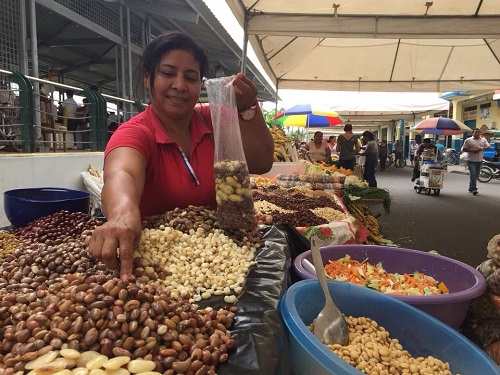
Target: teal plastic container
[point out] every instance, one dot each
(419, 333)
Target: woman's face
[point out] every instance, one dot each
(176, 85)
(318, 137)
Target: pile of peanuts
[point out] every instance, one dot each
(8, 242)
(372, 351)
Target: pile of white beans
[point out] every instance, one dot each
(199, 263)
(373, 352)
(72, 362)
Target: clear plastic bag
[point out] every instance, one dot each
(235, 210)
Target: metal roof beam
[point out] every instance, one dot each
(73, 42)
(164, 9)
(84, 22)
(376, 26)
(85, 64)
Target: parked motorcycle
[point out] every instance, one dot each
(489, 170)
(452, 156)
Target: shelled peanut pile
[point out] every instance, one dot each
(55, 299)
(372, 351)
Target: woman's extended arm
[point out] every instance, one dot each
(124, 175)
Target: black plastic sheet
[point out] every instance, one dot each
(261, 343)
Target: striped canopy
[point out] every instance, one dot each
(305, 115)
(441, 126)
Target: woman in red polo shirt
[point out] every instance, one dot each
(163, 158)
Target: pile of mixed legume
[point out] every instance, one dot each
(62, 312)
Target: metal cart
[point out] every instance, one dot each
(431, 176)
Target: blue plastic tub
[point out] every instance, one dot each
(418, 332)
(464, 282)
(22, 206)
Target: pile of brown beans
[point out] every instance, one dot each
(96, 313)
(192, 217)
(56, 228)
(36, 265)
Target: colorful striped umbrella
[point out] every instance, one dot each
(304, 115)
(441, 126)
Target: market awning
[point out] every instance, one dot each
(382, 45)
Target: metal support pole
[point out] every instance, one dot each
(23, 63)
(245, 43)
(123, 92)
(34, 69)
(129, 61)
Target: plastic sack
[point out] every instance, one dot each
(487, 267)
(494, 249)
(235, 210)
(493, 284)
(94, 186)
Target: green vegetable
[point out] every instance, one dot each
(354, 192)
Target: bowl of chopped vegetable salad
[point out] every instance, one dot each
(440, 286)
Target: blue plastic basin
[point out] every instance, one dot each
(22, 206)
(463, 281)
(418, 332)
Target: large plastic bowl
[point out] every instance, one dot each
(418, 332)
(463, 281)
(22, 206)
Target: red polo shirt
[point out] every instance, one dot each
(169, 183)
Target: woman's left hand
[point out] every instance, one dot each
(245, 91)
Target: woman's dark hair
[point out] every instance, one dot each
(368, 135)
(166, 42)
(348, 127)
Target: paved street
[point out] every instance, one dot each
(454, 223)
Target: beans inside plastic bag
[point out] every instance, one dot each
(235, 209)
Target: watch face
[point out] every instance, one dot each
(248, 114)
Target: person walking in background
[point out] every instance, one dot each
(413, 148)
(382, 154)
(371, 154)
(425, 145)
(398, 151)
(441, 153)
(474, 147)
(347, 148)
(69, 110)
(319, 150)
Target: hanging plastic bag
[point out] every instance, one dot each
(235, 210)
(93, 181)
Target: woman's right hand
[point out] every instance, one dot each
(113, 243)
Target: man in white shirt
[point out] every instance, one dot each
(70, 106)
(474, 147)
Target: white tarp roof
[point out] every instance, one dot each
(375, 45)
(395, 106)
